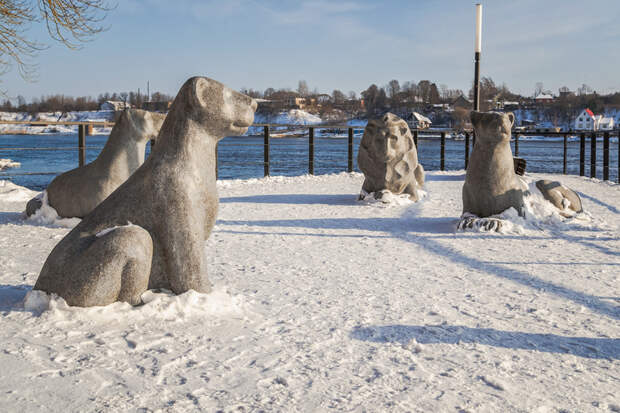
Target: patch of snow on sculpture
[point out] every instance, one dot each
(47, 215)
(539, 214)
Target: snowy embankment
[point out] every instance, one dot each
(91, 116)
(8, 163)
(322, 302)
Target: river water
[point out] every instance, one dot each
(242, 157)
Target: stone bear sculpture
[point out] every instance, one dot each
(388, 158)
(491, 184)
(150, 232)
(77, 192)
(563, 198)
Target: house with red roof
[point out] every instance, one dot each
(587, 120)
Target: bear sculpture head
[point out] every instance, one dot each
(492, 127)
(214, 107)
(388, 141)
(388, 157)
(141, 125)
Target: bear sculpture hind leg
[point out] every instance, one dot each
(419, 175)
(114, 267)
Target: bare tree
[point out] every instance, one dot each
(338, 96)
(70, 22)
(393, 88)
(424, 90)
(302, 88)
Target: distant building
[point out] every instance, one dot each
(528, 123)
(114, 105)
(157, 106)
(295, 102)
(546, 127)
(544, 98)
(606, 124)
(323, 98)
(564, 92)
(587, 120)
(511, 105)
(462, 102)
(417, 121)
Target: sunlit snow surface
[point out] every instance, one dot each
(322, 302)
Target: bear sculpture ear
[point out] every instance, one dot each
(200, 91)
(511, 116)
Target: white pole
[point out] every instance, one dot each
(478, 45)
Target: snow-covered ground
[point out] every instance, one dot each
(324, 303)
(8, 163)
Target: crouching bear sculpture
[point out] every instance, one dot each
(491, 184)
(77, 192)
(389, 159)
(150, 232)
(563, 198)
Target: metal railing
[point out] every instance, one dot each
(85, 128)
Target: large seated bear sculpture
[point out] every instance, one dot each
(389, 159)
(491, 184)
(77, 192)
(150, 232)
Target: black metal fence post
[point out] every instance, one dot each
(466, 149)
(442, 161)
(593, 155)
(350, 151)
(311, 151)
(565, 153)
(516, 145)
(415, 138)
(582, 154)
(82, 144)
(606, 156)
(266, 150)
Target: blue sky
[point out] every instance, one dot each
(345, 44)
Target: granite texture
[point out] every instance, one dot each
(161, 216)
(77, 192)
(491, 184)
(388, 158)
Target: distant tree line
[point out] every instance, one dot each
(424, 96)
(64, 103)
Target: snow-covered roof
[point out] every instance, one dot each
(544, 96)
(606, 120)
(420, 118)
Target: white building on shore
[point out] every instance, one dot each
(606, 123)
(587, 120)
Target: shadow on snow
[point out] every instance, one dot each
(598, 348)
